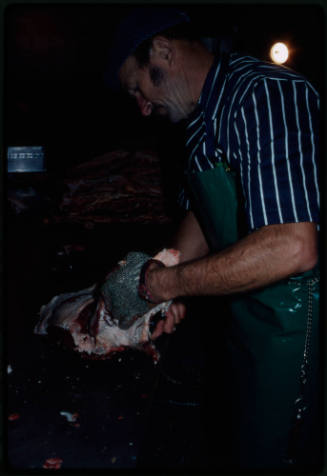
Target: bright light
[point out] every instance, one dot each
(279, 53)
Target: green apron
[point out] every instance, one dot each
(272, 343)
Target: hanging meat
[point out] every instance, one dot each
(117, 187)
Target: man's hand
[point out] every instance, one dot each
(177, 309)
(174, 316)
(125, 292)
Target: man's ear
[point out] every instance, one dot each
(161, 49)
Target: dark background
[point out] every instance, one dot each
(130, 412)
(56, 56)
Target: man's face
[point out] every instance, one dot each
(156, 89)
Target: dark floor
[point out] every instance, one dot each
(130, 413)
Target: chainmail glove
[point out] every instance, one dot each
(121, 290)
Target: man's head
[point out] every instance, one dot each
(162, 65)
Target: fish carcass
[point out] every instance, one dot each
(84, 319)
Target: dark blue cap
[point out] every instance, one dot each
(141, 24)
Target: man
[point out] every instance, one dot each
(250, 231)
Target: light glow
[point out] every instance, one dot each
(279, 53)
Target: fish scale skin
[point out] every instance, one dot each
(120, 290)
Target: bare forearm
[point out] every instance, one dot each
(190, 240)
(263, 257)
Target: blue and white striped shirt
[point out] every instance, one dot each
(263, 120)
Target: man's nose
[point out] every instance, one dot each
(144, 105)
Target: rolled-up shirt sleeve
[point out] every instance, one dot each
(276, 129)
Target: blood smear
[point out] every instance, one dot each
(13, 416)
(53, 463)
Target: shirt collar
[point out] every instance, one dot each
(213, 79)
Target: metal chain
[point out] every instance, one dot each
(307, 343)
(300, 404)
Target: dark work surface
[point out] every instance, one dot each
(130, 413)
(117, 402)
